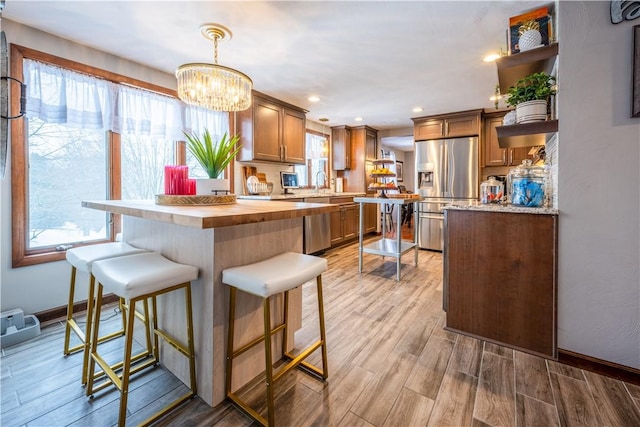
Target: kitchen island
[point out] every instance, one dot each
(500, 275)
(214, 238)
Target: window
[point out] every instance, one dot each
(317, 150)
(88, 135)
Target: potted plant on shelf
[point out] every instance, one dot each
(214, 157)
(530, 95)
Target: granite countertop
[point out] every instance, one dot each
(500, 207)
(299, 195)
(199, 216)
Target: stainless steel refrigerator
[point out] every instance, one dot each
(447, 170)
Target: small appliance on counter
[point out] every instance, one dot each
(491, 191)
(526, 185)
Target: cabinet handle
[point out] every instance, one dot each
(284, 151)
(504, 156)
(510, 155)
(446, 128)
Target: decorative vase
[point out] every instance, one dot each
(531, 111)
(208, 186)
(529, 40)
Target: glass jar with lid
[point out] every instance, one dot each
(526, 185)
(491, 190)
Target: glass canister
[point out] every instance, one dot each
(526, 185)
(491, 190)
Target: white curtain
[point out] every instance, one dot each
(58, 95)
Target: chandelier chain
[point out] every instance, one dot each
(215, 50)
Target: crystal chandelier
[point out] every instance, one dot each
(214, 86)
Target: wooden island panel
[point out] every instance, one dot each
(500, 277)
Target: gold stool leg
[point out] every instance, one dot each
(323, 337)
(268, 360)
(91, 307)
(93, 340)
(126, 368)
(67, 329)
(230, 332)
(190, 340)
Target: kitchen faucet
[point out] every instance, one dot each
(325, 179)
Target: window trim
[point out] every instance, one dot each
(20, 256)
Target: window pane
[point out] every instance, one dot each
(143, 161)
(66, 166)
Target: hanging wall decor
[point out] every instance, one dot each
(635, 111)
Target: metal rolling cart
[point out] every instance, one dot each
(394, 248)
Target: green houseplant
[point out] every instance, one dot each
(214, 157)
(530, 95)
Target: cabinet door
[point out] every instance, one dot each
(293, 136)
(370, 217)
(493, 154)
(429, 129)
(371, 145)
(267, 130)
(351, 221)
(336, 227)
(462, 126)
(517, 155)
(341, 152)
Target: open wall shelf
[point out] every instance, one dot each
(513, 67)
(526, 134)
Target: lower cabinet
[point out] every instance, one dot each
(345, 223)
(500, 272)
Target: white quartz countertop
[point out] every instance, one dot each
(500, 207)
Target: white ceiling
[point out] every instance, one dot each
(377, 60)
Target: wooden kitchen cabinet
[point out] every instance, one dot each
(493, 155)
(500, 278)
(466, 123)
(348, 141)
(346, 222)
(272, 131)
(341, 147)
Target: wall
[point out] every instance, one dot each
(41, 287)
(598, 185)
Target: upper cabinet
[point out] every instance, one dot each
(492, 153)
(512, 68)
(343, 139)
(466, 123)
(341, 152)
(272, 130)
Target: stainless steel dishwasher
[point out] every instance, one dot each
(317, 229)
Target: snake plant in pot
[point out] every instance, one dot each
(214, 157)
(530, 95)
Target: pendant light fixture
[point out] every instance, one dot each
(214, 86)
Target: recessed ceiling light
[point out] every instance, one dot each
(492, 57)
(358, 119)
(418, 109)
(313, 98)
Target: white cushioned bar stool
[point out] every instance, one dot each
(82, 258)
(138, 278)
(266, 279)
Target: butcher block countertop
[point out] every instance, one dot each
(242, 212)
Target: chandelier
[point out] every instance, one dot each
(214, 86)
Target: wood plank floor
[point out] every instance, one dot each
(391, 363)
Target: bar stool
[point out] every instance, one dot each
(138, 278)
(265, 279)
(82, 258)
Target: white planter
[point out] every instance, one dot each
(207, 187)
(531, 111)
(529, 39)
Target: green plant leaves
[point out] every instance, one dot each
(532, 87)
(213, 157)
